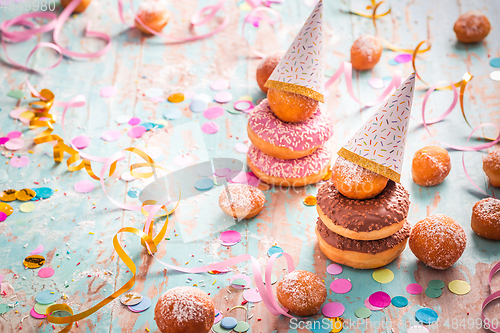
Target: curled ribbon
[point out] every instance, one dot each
(254, 17)
(489, 299)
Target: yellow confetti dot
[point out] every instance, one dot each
(6, 208)
(176, 98)
(383, 275)
(459, 287)
(310, 200)
(246, 98)
(27, 207)
(328, 175)
(337, 324)
(91, 233)
(8, 195)
(27, 115)
(26, 194)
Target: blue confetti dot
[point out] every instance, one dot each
(228, 323)
(44, 192)
(323, 325)
(134, 192)
(148, 126)
(198, 106)
(142, 306)
(46, 297)
(274, 249)
(393, 62)
(172, 114)
(155, 125)
(399, 301)
(495, 62)
(387, 78)
(426, 316)
(203, 184)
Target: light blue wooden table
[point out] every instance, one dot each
(135, 64)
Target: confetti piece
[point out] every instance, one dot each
(183, 160)
(399, 301)
(134, 192)
(84, 186)
(228, 323)
(341, 286)
(204, 184)
(334, 269)
(436, 284)
(108, 91)
(14, 144)
(218, 329)
(240, 281)
(403, 58)
(230, 236)
(45, 272)
(172, 114)
(495, 62)
(213, 112)
(241, 148)
(41, 309)
(19, 162)
(218, 316)
(210, 127)
(44, 192)
(111, 135)
(371, 307)
(14, 135)
(154, 92)
(393, 62)
(198, 106)
(17, 94)
(131, 298)
(363, 313)
(414, 289)
(274, 249)
(126, 176)
(176, 98)
(136, 132)
(142, 306)
(223, 97)
(252, 295)
(26, 194)
(3, 216)
(241, 326)
(459, 287)
(122, 119)
(380, 299)
(34, 314)
(34, 261)
(243, 105)
(417, 329)
(8, 195)
(426, 316)
(222, 172)
(333, 309)
(46, 297)
(81, 141)
(433, 293)
(39, 249)
(134, 121)
(383, 275)
(376, 83)
(218, 85)
(310, 200)
(3, 140)
(495, 75)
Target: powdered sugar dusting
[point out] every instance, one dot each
(367, 45)
(184, 304)
(243, 197)
(352, 174)
(488, 210)
(492, 160)
(304, 288)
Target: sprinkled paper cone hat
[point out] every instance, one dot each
(379, 145)
(300, 70)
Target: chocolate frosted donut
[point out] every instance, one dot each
(369, 219)
(358, 253)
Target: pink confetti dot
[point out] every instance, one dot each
(333, 309)
(222, 172)
(3, 216)
(14, 144)
(36, 315)
(3, 140)
(341, 286)
(239, 177)
(38, 250)
(134, 121)
(213, 112)
(334, 269)
(414, 289)
(223, 97)
(218, 85)
(136, 132)
(19, 162)
(380, 299)
(376, 83)
(252, 295)
(111, 135)
(84, 186)
(243, 105)
(109, 91)
(183, 160)
(210, 127)
(241, 148)
(402, 58)
(230, 236)
(81, 141)
(240, 276)
(14, 135)
(371, 307)
(16, 113)
(218, 317)
(45, 272)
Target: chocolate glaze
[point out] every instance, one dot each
(389, 207)
(372, 246)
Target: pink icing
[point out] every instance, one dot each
(299, 168)
(308, 134)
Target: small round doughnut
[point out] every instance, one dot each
(356, 182)
(287, 141)
(369, 219)
(266, 68)
(472, 27)
(485, 220)
(184, 309)
(154, 15)
(361, 254)
(438, 241)
(80, 8)
(303, 171)
(491, 167)
(365, 52)
(430, 166)
(246, 201)
(291, 107)
(301, 292)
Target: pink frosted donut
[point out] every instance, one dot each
(299, 172)
(287, 141)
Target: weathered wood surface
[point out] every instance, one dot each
(135, 64)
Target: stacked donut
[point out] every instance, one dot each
(362, 218)
(288, 153)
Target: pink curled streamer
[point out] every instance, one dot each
(491, 298)
(254, 17)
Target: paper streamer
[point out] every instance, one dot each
(489, 299)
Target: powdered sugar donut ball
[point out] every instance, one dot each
(246, 201)
(485, 220)
(365, 52)
(80, 8)
(301, 292)
(184, 310)
(266, 68)
(430, 166)
(154, 15)
(438, 241)
(491, 167)
(472, 27)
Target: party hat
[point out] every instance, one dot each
(300, 70)
(379, 145)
